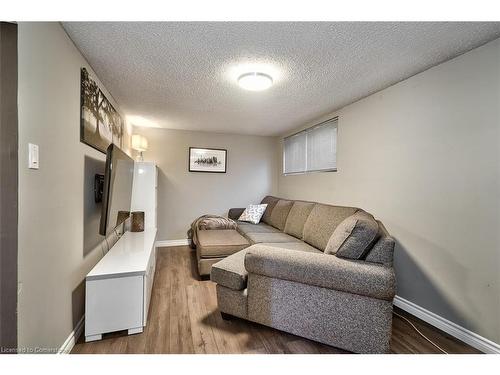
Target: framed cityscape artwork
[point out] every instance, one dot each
(210, 160)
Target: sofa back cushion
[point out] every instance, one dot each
(383, 250)
(297, 218)
(280, 213)
(354, 236)
(322, 221)
(271, 202)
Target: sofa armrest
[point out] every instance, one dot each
(323, 270)
(235, 213)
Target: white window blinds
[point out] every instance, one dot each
(313, 149)
(295, 153)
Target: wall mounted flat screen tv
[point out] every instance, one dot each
(117, 190)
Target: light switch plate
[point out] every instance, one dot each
(33, 162)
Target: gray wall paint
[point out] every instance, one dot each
(423, 156)
(58, 219)
(183, 196)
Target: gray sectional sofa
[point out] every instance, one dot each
(314, 270)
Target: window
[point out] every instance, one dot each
(311, 150)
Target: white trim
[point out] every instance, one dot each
(453, 329)
(169, 243)
(72, 338)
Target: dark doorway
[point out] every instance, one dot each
(8, 187)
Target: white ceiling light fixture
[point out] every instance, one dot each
(255, 81)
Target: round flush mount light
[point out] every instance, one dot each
(255, 81)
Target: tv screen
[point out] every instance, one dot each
(117, 191)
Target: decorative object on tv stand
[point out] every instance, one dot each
(211, 160)
(137, 221)
(100, 123)
(139, 143)
(122, 216)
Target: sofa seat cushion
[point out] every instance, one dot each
(280, 213)
(354, 236)
(297, 218)
(299, 246)
(230, 272)
(271, 202)
(217, 243)
(245, 228)
(270, 237)
(322, 221)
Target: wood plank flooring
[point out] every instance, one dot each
(183, 318)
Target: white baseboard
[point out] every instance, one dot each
(453, 329)
(169, 243)
(72, 338)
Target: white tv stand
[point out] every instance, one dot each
(118, 288)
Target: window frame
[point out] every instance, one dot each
(322, 123)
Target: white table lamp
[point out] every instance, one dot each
(139, 143)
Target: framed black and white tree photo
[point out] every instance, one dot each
(100, 123)
(211, 160)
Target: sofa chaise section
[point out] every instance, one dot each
(285, 280)
(214, 245)
(343, 303)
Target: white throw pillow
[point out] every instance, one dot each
(253, 213)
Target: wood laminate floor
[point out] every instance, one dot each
(183, 318)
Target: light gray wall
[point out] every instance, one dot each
(58, 218)
(423, 156)
(183, 196)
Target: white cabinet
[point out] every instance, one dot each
(148, 285)
(144, 191)
(113, 304)
(118, 288)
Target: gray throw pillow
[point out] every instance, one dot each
(353, 237)
(383, 250)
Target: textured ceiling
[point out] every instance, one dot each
(183, 75)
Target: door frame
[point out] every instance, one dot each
(8, 187)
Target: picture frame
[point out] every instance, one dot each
(100, 123)
(207, 160)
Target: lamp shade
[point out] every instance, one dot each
(139, 142)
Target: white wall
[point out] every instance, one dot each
(58, 218)
(183, 195)
(424, 157)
